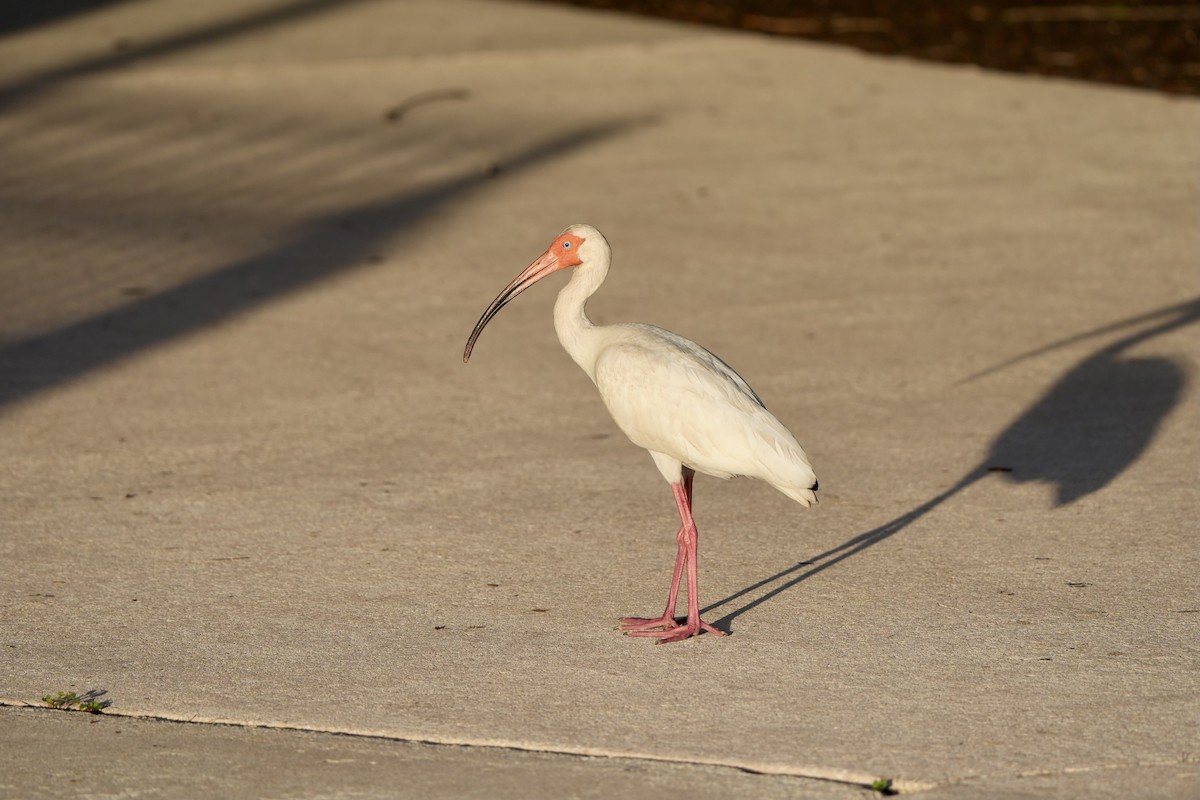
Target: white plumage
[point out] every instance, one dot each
(687, 407)
(669, 395)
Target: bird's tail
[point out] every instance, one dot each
(798, 481)
(805, 497)
(785, 465)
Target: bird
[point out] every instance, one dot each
(671, 396)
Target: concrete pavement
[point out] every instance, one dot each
(248, 481)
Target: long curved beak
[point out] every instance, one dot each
(539, 269)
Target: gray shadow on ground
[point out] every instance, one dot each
(1101, 415)
(322, 248)
(1079, 436)
(125, 52)
(18, 17)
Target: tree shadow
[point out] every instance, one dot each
(124, 53)
(321, 248)
(1094, 422)
(1079, 436)
(17, 17)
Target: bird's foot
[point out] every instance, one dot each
(666, 628)
(666, 622)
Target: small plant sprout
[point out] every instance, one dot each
(61, 700)
(71, 701)
(883, 786)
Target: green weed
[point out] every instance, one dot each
(70, 701)
(883, 786)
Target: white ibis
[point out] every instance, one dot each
(670, 396)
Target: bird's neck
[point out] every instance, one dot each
(579, 337)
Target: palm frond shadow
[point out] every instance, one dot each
(318, 250)
(167, 44)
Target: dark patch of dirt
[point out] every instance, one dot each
(1149, 45)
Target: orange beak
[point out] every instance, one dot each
(546, 264)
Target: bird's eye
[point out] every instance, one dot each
(566, 245)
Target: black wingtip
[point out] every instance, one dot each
(816, 485)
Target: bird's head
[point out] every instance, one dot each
(586, 246)
(577, 246)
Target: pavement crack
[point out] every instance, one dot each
(829, 775)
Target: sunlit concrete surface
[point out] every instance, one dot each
(246, 478)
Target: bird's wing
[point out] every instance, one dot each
(702, 358)
(671, 396)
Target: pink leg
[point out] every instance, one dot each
(667, 620)
(687, 556)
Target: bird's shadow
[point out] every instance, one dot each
(1084, 431)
